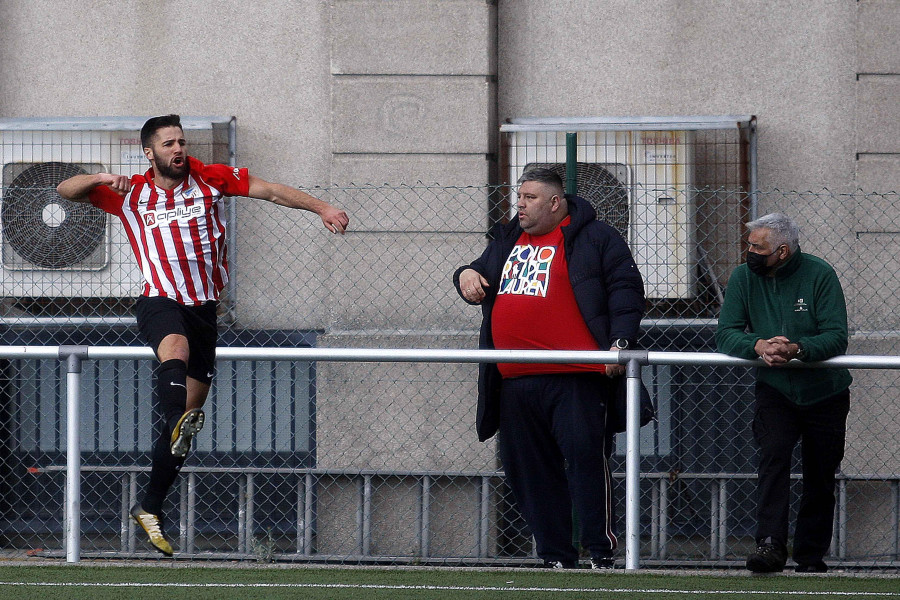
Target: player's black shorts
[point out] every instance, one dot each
(158, 317)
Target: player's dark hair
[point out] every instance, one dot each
(542, 175)
(154, 124)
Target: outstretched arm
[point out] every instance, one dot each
(78, 187)
(335, 219)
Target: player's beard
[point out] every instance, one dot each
(171, 172)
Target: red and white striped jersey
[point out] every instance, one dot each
(178, 236)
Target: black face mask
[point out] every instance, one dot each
(757, 263)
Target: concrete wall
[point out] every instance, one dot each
(413, 91)
(791, 64)
(453, 527)
(878, 84)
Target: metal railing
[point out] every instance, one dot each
(75, 355)
(307, 481)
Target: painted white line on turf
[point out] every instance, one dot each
(451, 588)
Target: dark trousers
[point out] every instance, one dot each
(555, 451)
(821, 429)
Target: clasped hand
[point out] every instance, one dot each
(776, 351)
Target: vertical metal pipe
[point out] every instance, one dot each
(425, 520)
(132, 500)
(571, 163)
(251, 485)
(232, 142)
(723, 518)
(191, 512)
(182, 513)
(663, 519)
(308, 515)
(74, 355)
(242, 515)
(835, 528)
(124, 515)
(301, 523)
(895, 516)
(633, 466)
(231, 230)
(366, 537)
(713, 518)
(842, 520)
(754, 182)
(485, 527)
(654, 522)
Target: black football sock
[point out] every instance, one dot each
(171, 397)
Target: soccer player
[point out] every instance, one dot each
(174, 216)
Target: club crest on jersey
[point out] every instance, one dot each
(155, 218)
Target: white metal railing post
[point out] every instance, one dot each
(73, 355)
(633, 463)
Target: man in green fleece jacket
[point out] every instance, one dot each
(783, 305)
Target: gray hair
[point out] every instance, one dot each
(783, 230)
(542, 175)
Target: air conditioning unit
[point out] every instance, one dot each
(55, 248)
(639, 179)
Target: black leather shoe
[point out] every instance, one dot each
(816, 567)
(770, 557)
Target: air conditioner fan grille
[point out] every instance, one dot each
(43, 228)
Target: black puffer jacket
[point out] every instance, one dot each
(606, 282)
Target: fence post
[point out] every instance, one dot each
(73, 356)
(633, 459)
(571, 164)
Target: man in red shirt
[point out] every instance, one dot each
(174, 218)
(556, 278)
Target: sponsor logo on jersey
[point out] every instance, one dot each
(156, 218)
(237, 173)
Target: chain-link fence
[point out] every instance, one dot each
(379, 462)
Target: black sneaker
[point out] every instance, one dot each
(558, 564)
(603, 562)
(770, 557)
(816, 567)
